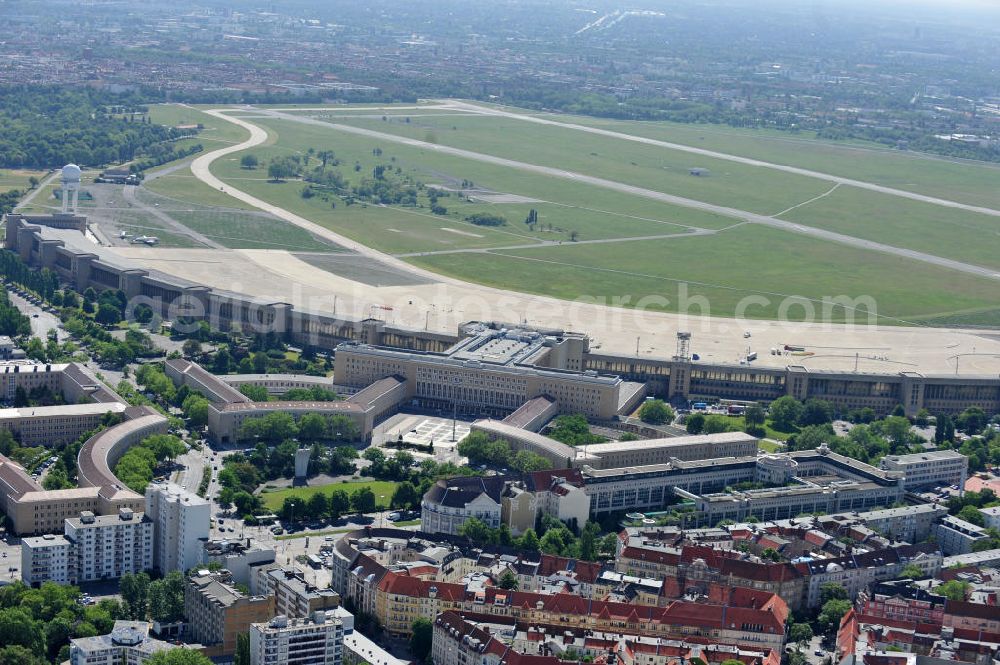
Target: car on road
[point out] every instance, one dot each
(393, 517)
(327, 539)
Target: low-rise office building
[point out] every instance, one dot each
(806, 481)
(229, 408)
(318, 640)
(929, 469)
(617, 454)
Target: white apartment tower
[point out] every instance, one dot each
(108, 546)
(182, 522)
(284, 641)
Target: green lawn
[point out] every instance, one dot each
(959, 180)
(947, 232)
(18, 178)
(273, 500)
(725, 269)
(731, 184)
(770, 446)
(329, 532)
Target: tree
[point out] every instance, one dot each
(588, 541)
(254, 392)
(800, 633)
(15, 654)
(953, 590)
(292, 509)
(107, 315)
(223, 361)
(912, 572)
(526, 461)
(340, 503)
(816, 412)
(245, 503)
(249, 161)
(944, 429)
(754, 416)
(312, 427)
(242, 655)
(508, 580)
(134, 588)
(178, 657)
(732, 661)
(695, 423)
(831, 591)
(785, 413)
(191, 348)
(972, 420)
(195, 407)
(897, 429)
(972, 515)
(656, 412)
(318, 506)
(166, 598)
(831, 614)
(420, 639)
(477, 531)
(529, 541)
(18, 627)
(226, 495)
(363, 501)
(405, 496)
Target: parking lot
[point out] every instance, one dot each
(10, 559)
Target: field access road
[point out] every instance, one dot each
(625, 188)
(861, 184)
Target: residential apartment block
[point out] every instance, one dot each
(318, 640)
(956, 536)
(47, 558)
(217, 612)
(93, 547)
(108, 546)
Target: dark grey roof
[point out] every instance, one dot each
(460, 491)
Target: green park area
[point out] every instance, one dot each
(383, 490)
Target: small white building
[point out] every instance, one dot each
(183, 521)
(128, 643)
(316, 641)
(991, 516)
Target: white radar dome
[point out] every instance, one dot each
(71, 173)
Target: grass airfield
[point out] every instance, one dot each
(603, 243)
